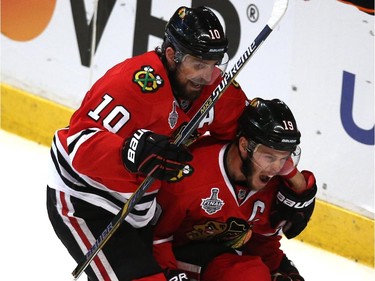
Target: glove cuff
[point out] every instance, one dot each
(310, 179)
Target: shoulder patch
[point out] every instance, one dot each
(147, 80)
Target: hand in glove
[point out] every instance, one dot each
(287, 272)
(147, 152)
(295, 209)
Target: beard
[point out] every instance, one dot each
(180, 90)
(247, 170)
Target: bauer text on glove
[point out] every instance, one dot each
(294, 209)
(150, 153)
(176, 275)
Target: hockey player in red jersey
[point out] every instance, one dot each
(225, 221)
(123, 130)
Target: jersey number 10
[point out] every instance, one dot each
(118, 113)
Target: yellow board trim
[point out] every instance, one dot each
(30, 116)
(340, 231)
(331, 228)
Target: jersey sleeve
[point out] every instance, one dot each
(110, 113)
(172, 214)
(93, 144)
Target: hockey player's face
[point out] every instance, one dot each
(265, 163)
(190, 74)
(183, 88)
(193, 74)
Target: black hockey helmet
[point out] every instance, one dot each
(271, 123)
(198, 32)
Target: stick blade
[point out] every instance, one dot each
(278, 11)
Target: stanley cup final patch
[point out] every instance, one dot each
(173, 116)
(212, 204)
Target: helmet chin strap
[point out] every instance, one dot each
(245, 168)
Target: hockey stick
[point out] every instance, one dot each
(278, 11)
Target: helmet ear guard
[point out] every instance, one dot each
(178, 57)
(271, 123)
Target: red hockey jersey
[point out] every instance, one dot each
(135, 94)
(208, 206)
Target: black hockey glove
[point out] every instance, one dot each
(147, 152)
(176, 275)
(287, 272)
(294, 209)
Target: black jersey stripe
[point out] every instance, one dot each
(86, 132)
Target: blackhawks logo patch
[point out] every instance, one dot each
(147, 80)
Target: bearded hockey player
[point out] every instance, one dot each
(225, 221)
